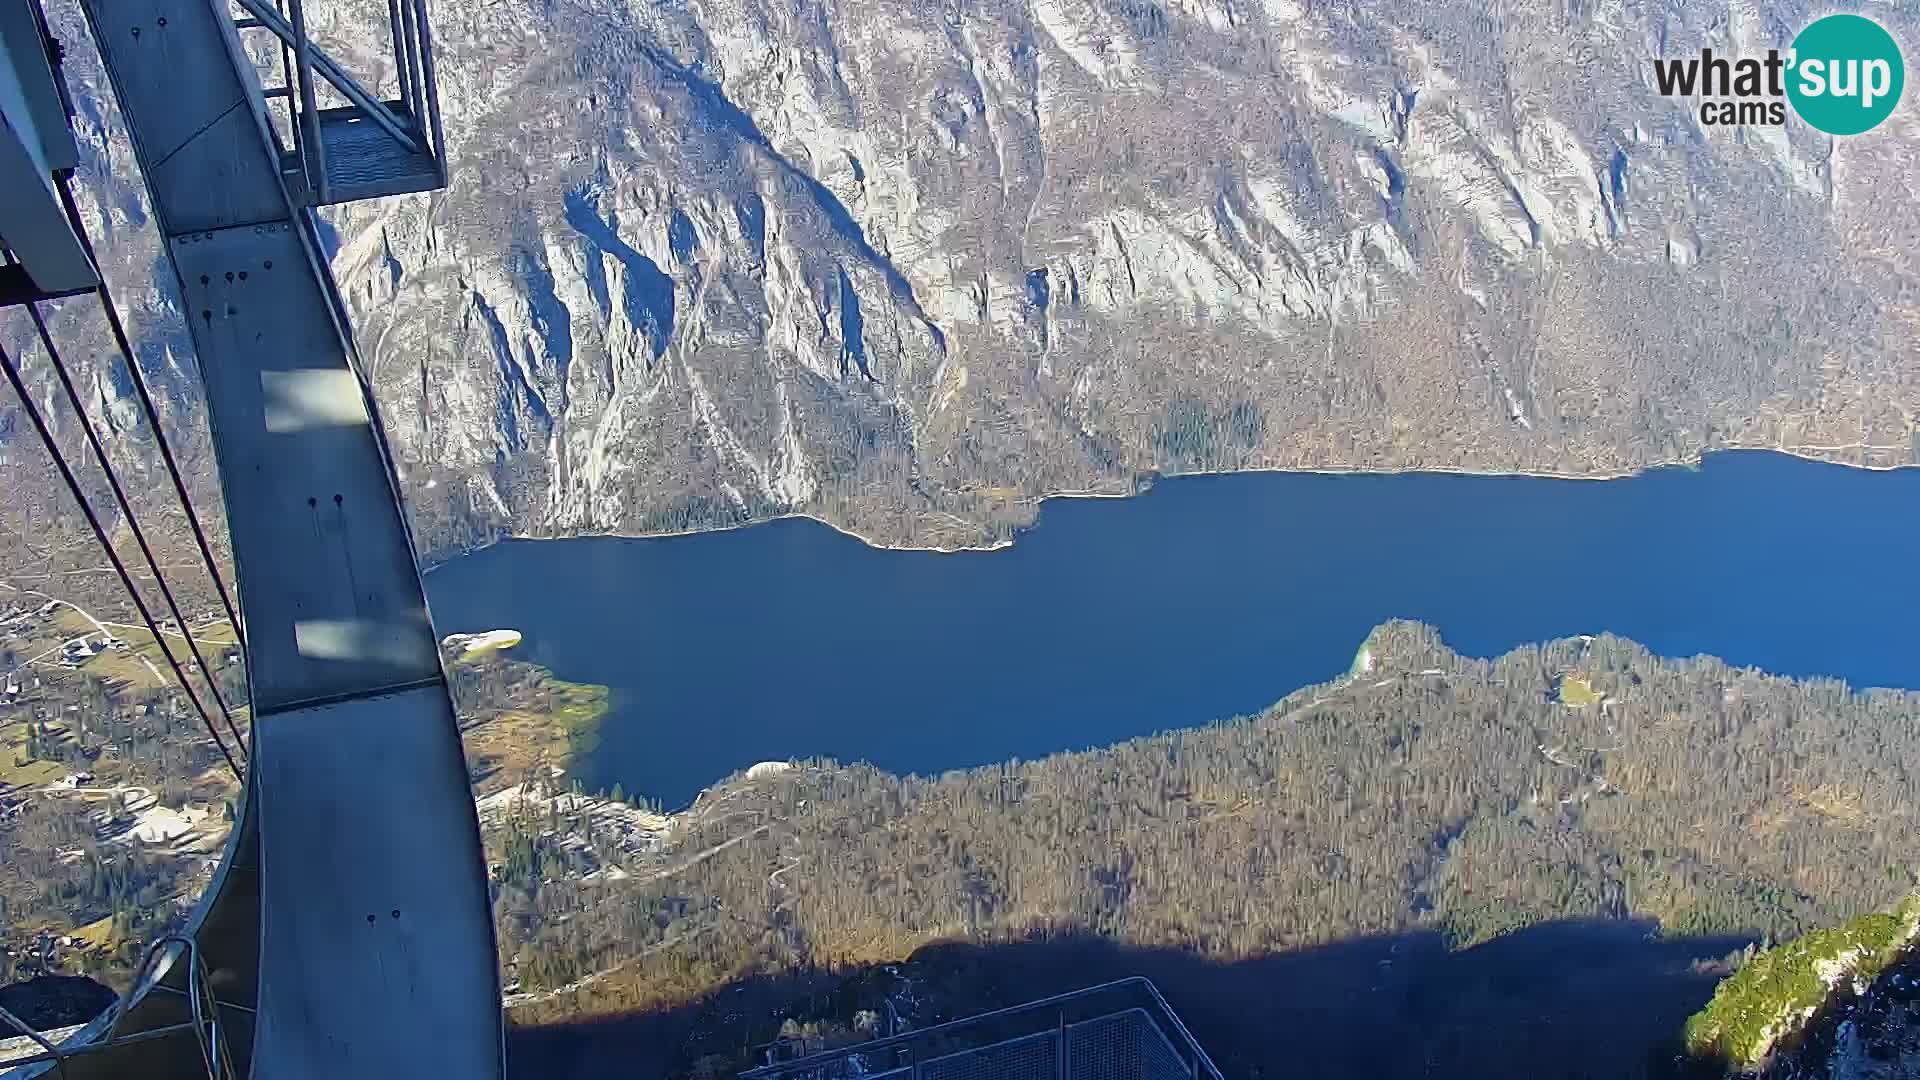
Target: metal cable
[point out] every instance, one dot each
(133, 522)
(17, 1024)
(119, 329)
(106, 545)
(202, 1004)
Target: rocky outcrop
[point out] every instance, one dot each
(1879, 1036)
(1831, 1004)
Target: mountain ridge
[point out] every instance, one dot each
(719, 262)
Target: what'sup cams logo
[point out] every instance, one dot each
(1843, 75)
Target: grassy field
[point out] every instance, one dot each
(13, 748)
(547, 726)
(142, 666)
(1577, 692)
(97, 934)
(130, 668)
(42, 638)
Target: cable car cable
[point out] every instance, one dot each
(65, 183)
(133, 522)
(100, 534)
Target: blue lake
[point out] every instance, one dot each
(1204, 598)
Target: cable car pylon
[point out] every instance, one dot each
(348, 929)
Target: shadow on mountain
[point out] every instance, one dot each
(1566, 999)
(853, 329)
(648, 292)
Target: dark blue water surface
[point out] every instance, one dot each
(1204, 598)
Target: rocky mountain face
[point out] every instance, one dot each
(1876, 1036)
(1837, 1004)
(905, 266)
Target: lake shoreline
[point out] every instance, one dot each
(1693, 462)
(1209, 600)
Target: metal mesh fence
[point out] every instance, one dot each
(1035, 1057)
(1102, 1049)
(1126, 1046)
(1158, 1059)
(1117, 1031)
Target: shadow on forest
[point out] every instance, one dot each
(1565, 999)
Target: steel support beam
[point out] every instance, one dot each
(352, 913)
(35, 143)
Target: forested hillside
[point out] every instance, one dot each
(1426, 794)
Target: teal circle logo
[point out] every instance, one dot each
(1845, 74)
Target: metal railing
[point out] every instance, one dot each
(205, 1025)
(303, 121)
(1120, 1030)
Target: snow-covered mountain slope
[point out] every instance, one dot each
(904, 266)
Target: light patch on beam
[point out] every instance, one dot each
(304, 398)
(363, 640)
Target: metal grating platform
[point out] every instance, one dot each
(363, 161)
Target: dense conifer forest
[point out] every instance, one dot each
(1426, 798)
